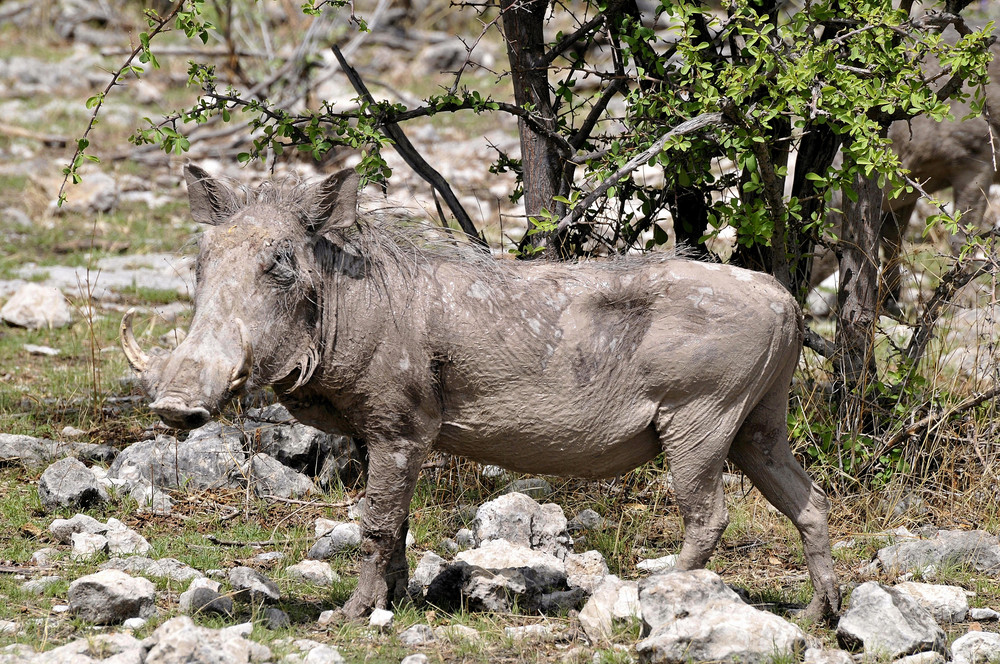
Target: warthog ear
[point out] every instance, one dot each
(211, 201)
(334, 202)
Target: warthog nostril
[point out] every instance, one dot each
(175, 413)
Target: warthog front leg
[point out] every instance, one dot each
(393, 468)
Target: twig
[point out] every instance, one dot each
(687, 127)
(958, 276)
(413, 158)
(49, 140)
(83, 142)
(932, 421)
(317, 503)
(221, 542)
(818, 343)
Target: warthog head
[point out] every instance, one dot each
(257, 298)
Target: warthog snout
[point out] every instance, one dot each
(191, 383)
(177, 414)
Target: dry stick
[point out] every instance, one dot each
(927, 422)
(49, 140)
(959, 275)
(413, 158)
(687, 127)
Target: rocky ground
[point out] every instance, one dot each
(126, 542)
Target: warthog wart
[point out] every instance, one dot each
(587, 369)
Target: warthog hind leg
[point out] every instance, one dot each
(761, 450)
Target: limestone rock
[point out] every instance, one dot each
(976, 648)
(180, 641)
(948, 604)
(518, 519)
(342, 537)
(973, 548)
(110, 597)
(888, 622)
(316, 572)
(249, 583)
(269, 477)
(693, 616)
(211, 457)
(417, 635)
(68, 483)
(202, 596)
(37, 307)
(64, 529)
(613, 602)
(167, 568)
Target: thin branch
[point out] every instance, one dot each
(83, 142)
(687, 127)
(820, 344)
(569, 40)
(581, 135)
(934, 421)
(413, 158)
(958, 276)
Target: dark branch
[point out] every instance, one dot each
(413, 158)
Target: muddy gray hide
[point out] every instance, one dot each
(589, 369)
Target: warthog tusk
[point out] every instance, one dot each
(137, 359)
(241, 373)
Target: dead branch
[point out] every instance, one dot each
(687, 127)
(962, 272)
(933, 421)
(48, 140)
(818, 343)
(413, 158)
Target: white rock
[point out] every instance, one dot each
(976, 648)
(693, 615)
(585, 570)
(825, 656)
(135, 623)
(323, 526)
(127, 542)
(111, 596)
(381, 619)
(654, 565)
(88, 545)
(43, 557)
(500, 554)
(930, 657)
(35, 307)
(613, 600)
(530, 633)
(242, 629)
(458, 633)
(313, 571)
(415, 658)
(983, 614)
(948, 604)
(38, 586)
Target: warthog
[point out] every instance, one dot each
(959, 153)
(586, 370)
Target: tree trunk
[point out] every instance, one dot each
(816, 154)
(523, 22)
(858, 300)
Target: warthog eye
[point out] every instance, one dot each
(282, 266)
